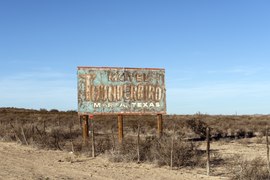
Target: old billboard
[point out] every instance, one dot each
(106, 90)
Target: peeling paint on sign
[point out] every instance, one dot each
(105, 90)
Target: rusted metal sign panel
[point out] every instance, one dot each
(105, 90)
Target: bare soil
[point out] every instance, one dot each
(55, 130)
(26, 162)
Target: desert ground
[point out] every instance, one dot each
(21, 162)
(27, 162)
(48, 145)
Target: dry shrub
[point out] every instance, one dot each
(216, 134)
(158, 150)
(103, 144)
(260, 140)
(198, 127)
(49, 139)
(249, 170)
(244, 141)
(239, 133)
(185, 153)
(125, 152)
(55, 137)
(249, 133)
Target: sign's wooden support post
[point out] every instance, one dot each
(120, 128)
(159, 125)
(138, 142)
(85, 128)
(208, 151)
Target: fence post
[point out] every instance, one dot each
(58, 120)
(172, 145)
(25, 140)
(93, 136)
(72, 146)
(208, 151)
(113, 140)
(120, 128)
(267, 149)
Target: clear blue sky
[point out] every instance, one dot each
(216, 53)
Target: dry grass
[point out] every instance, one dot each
(255, 169)
(157, 150)
(62, 130)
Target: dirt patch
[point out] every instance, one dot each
(25, 162)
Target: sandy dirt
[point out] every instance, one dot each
(25, 162)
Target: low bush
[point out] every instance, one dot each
(158, 150)
(197, 126)
(185, 153)
(250, 170)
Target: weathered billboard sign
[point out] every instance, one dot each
(107, 90)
